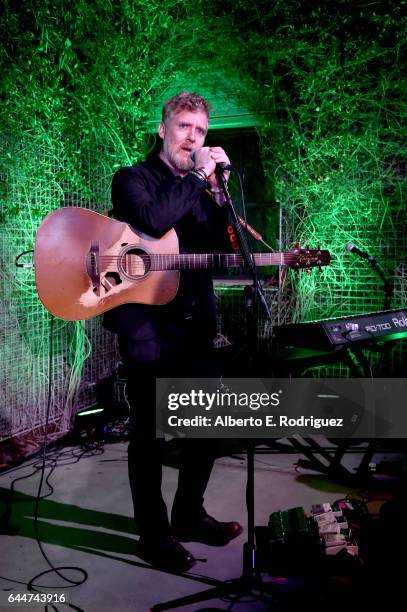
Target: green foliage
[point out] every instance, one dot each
(88, 74)
(326, 79)
(331, 77)
(80, 79)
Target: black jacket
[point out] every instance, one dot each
(152, 199)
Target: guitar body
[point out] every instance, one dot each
(86, 264)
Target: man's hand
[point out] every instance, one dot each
(207, 158)
(205, 161)
(220, 157)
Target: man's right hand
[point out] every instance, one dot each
(204, 160)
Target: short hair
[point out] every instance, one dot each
(185, 100)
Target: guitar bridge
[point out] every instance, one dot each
(92, 264)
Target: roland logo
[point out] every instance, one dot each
(402, 322)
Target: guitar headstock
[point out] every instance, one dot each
(308, 258)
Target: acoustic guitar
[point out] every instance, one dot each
(87, 263)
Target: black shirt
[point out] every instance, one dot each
(152, 199)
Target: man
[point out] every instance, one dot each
(172, 190)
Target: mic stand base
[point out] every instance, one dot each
(250, 579)
(234, 589)
(249, 582)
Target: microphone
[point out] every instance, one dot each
(354, 249)
(223, 166)
(219, 167)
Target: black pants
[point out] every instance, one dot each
(184, 354)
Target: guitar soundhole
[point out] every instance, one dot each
(135, 263)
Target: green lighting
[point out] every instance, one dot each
(88, 412)
(323, 82)
(227, 289)
(397, 336)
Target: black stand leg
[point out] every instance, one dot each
(250, 579)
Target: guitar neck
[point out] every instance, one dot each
(193, 261)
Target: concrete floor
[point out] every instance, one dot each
(86, 523)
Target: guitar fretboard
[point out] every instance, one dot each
(193, 261)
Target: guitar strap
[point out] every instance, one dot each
(253, 232)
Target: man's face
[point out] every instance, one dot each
(183, 132)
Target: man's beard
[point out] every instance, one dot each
(178, 159)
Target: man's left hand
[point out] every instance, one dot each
(219, 156)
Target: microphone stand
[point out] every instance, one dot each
(385, 277)
(243, 246)
(387, 288)
(387, 284)
(250, 579)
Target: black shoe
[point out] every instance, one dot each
(208, 531)
(166, 553)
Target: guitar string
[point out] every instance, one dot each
(138, 264)
(198, 257)
(222, 260)
(202, 256)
